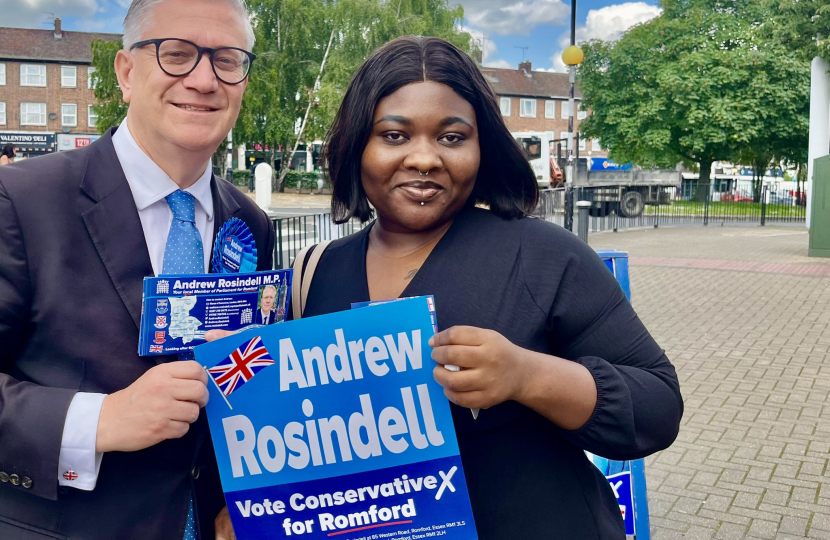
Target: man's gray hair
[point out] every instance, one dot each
(269, 287)
(138, 20)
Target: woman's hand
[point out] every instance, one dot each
(222, 524)
(492, 368)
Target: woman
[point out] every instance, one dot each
(550, 349)
(7, 154)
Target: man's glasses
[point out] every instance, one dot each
(179, 57)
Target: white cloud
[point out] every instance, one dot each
(608, 24)
(512, 17)
(37, 13)
(504, 64)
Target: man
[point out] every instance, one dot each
(95, 441)
(267, 314)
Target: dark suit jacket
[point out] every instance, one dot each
(72, 260)
(269, 320)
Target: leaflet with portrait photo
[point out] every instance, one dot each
(177, 310)
(334, 427)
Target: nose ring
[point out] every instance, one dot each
(423, 173)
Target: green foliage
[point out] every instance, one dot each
(305, 180)
(241, 178)
(800, 25)
(111, 108)
(697, 84)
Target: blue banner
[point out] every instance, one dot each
(618, 474)
(334, 426)
(176, 311)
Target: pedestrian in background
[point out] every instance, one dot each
(7, 154)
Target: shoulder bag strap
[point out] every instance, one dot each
(302, 279)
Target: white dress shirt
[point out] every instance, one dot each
(149, 185)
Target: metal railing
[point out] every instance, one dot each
(294, 233)
(773, 206)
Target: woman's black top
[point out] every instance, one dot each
(547, 291)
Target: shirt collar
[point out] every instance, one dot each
(148, 182)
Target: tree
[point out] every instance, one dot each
(111, 108)
(800, 25)
(696, 84)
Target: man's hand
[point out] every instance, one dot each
(213, 335)
(160, 405)
(222, 524)
(492, 368)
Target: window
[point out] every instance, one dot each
(581, 114)
(2, 74)
(581, 144)
(92, 117)
(504, 103)
(90, 82)
(2, 114)
(32, 114)
(595, 146)
(69, 114)
(32, 75)
(550, 108)
(69, 76)
(528, 108)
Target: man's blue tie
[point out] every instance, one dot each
(184, 254)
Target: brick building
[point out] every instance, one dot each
(46, 91)
(538, 101)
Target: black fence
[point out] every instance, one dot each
(294, 233)
(772, 206)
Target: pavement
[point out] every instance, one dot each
(296, 204)
(744, 315)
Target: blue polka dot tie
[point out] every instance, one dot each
(184, 254)
(190, 527)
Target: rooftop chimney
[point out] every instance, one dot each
(58, 31)
(526, 67)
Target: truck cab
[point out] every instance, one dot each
(537, 149)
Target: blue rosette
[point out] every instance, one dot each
(235, 249)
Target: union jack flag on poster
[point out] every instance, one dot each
(241, 366)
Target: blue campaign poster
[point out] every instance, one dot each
(333, 427)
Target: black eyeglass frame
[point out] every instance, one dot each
(200, 51)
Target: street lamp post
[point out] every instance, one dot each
(572, 56)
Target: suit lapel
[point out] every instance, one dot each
(114, 226)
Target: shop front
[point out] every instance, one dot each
(29, 145)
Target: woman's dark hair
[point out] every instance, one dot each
(505, 181)
(8, 151)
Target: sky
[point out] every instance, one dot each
(509, 31)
